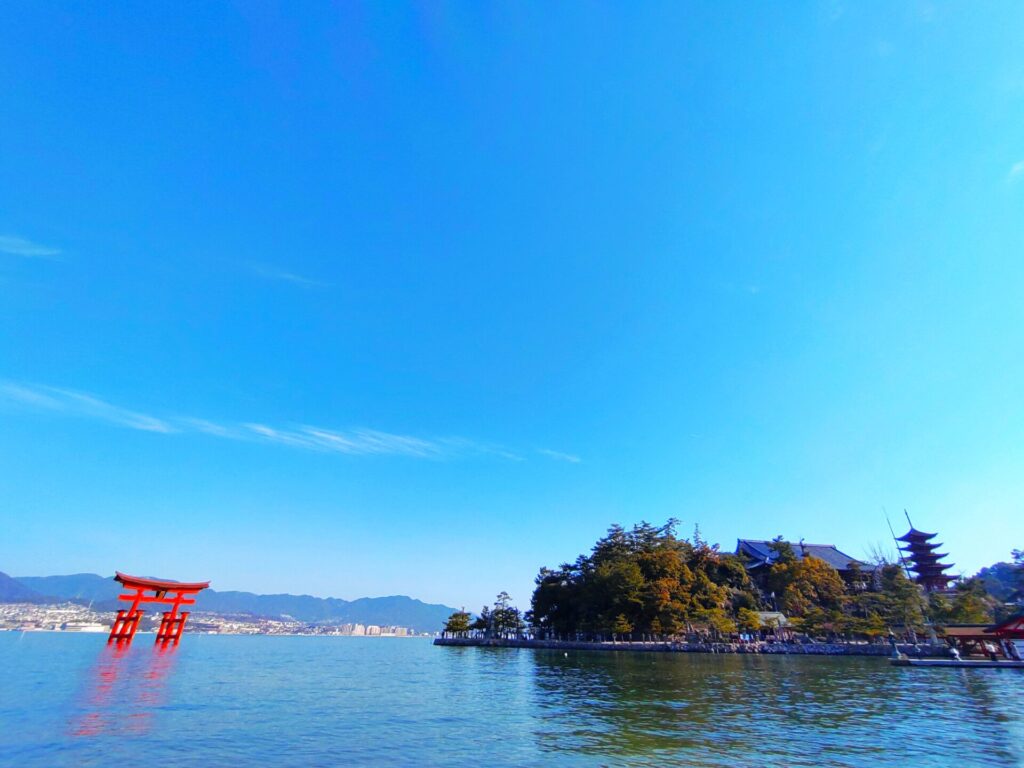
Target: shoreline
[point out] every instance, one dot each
(35, 631)
(921, 650)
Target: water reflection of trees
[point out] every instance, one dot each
(794, 710)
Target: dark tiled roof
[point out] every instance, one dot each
(913, 534)
(761, 553)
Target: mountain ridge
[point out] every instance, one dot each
(13, 591)
(101, 592)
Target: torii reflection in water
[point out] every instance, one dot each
(123, 691)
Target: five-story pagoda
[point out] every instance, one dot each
(924, 560)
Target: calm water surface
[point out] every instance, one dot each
(304, 701)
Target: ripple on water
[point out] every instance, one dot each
(67, 700)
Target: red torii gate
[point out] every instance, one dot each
(173, 622)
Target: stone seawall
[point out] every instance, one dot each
(807, 649)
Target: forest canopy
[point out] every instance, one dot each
(650, 581)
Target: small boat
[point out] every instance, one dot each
(962, 663)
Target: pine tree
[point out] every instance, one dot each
(748, 620)
(458, 623)
(621, 626)
(484, 622)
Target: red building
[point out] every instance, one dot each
(1011, 629)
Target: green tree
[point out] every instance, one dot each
(783, 550)
(506, 620)
(621, 626)
(748, 620)
(873, 626)
(484, 622)
(458, 623)
(1001, 580)
(855, 579)
(716, 620)
(807, 584)
(780, 572)
(901, 599)
(557, 603)
(672, 620)
(812, 621)
(511, 622)
(502, 601)
(617, 588)
(970, 604)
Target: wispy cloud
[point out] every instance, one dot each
(19, 246)
(272, 273)
(1017, 170)
(81, 404)
(559, 456)
(353, 442)
(461, 446)
(208, 428)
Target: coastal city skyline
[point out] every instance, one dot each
(360, 303)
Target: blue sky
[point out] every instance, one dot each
(372, 299)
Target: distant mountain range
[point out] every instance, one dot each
(101, 592)
(13, 591)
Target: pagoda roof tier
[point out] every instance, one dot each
(928, 561)
(931, 567)
(921, 546)
(932, 570)
(915, 535)
(931, 557)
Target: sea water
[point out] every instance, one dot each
(70, 700)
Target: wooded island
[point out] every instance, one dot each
(648, 583)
